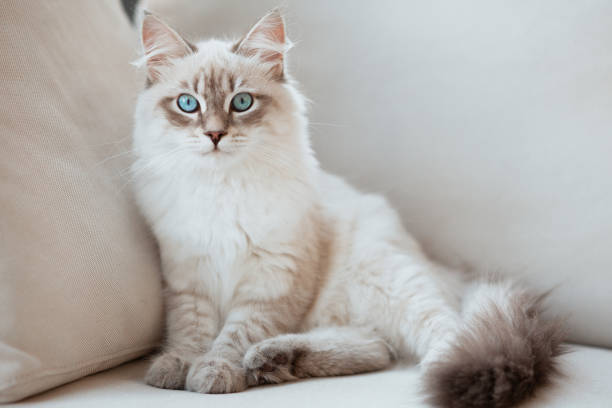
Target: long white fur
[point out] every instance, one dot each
(218, 219)
(378, 274)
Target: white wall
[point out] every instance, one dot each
(487, 123)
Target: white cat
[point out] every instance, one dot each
(275, 270)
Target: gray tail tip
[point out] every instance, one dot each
(497, 367)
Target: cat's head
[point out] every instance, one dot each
(217, 104)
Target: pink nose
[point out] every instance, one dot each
(215, 135)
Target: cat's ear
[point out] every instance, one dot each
(267, 41)
(161, 44)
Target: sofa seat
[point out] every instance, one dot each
(588, 384)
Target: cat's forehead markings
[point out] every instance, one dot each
(231, 82)
(210, 86)
(198, 86)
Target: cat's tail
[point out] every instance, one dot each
(505, 352)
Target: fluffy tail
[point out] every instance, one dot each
(504, 354)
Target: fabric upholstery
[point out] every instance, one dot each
(487, 125)
(587, 385)
(79, 275)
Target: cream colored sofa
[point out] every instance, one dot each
(589, 386)
(488, 124)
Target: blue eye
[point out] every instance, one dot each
(187, 103)
(242, 101)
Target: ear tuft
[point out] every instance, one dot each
(161, 44)
(267, 41)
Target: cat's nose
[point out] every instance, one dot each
(215, 135)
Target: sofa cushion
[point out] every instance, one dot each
(79, 278)
(589, 371)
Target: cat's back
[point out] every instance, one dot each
(355, 209)
(362, 224)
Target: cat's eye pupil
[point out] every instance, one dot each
(187, 103)
(242, 101)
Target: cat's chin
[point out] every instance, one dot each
(220, 151)
(213, 158)
(215, 155)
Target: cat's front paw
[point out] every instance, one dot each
(216, 375)
(167, 371)
(272, 361)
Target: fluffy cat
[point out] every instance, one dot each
(275, 270)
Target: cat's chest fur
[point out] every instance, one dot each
(215, 228)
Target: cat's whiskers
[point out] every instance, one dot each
(315, 124)
(127, 152)
(115, 156)
(159, 163)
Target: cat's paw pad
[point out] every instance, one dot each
(167, 371)
(215, 375)
(271, 362)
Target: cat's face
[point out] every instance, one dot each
(216, 103)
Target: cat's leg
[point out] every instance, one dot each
(257, 312)
(431, 320)
(319, 353)
(190, 328)
(220, 370)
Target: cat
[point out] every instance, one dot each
(275, 270)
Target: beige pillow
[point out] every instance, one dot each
(79, 278)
